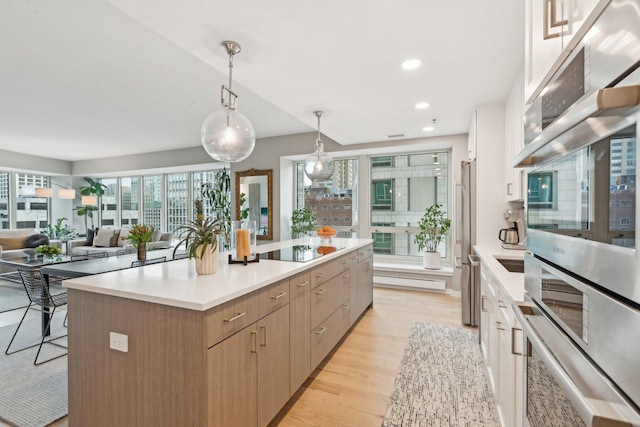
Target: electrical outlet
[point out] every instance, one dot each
(119, 342)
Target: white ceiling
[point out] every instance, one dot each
(82, 79)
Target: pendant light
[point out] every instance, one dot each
(227, 135)
(318, 165)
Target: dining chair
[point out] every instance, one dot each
(39, 295)
(142, 262)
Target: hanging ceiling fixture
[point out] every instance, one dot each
(318, 165)
(227, 135)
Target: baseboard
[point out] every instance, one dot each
(429, 284)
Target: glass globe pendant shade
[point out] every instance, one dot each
(319, 165)
(228, 136)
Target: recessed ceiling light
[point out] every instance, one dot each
(411, 64)
(422, 105)
(428, 129)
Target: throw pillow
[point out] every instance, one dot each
(91, 233)
(157, 233)
(124, 233)
(103, 238)
(114, 240)
(36, 240)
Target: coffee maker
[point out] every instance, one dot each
(513, 238)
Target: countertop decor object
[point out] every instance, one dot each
(201, 240)
(243, 244)
(139, 236)
(227, 135)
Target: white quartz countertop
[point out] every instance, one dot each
(176, 283)
(512, 283)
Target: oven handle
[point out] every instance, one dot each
(602, 415)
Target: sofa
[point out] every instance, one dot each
(112, 241)
(15, 241)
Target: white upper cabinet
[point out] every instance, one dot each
(473, 136)
(552, 29)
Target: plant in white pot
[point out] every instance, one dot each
(201, 240)
(434, 226)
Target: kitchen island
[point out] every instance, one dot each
(227, 349)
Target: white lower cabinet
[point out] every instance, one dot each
(501, 342)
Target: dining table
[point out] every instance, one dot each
(62, 267)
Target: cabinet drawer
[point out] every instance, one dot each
(328, 296)
(230, 317)
(327, 334)
(326, 271)
(364, 253)
(274, 297)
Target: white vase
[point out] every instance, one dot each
(431, 260)
(208, 264)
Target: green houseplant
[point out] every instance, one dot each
(48, 251)
(218, 195)
(59, 231)
(434, 226)
(302, 221)
(201, 240)
(94, 188)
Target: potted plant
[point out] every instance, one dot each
(201, 240)
(434, 226)
(48, 251)
(139, 236)
(94, 188)
(302, 222)
(218, 194)
(59, 231)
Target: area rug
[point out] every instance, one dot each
(12, 297)
(441, 381)
(32, 396)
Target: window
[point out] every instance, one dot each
(152, 200)
(332, 201)
(129, 201)
(108, 202)
(177, 200)
(402, 187)
(4, 201)
(32, 211)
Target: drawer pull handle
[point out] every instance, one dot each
(280, 295)
(254, 342)
(321, 291)
(237, 316)
(264, 340)
(482, 307)
(303, 284)
(345, 262)
(346, 306)
(321, 274)
(499, 326)
(321, 331)
(345, 275)
(501, 304)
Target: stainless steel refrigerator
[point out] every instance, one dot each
(470, 275)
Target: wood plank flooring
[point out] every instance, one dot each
(353, 385)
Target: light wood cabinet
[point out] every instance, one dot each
(300, 325)
(236, 364)
(362, 291)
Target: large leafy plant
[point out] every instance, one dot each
(218, 195)
(197, 235)
(93, 188)
(59, 231)
(434, 226)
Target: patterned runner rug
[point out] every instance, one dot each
(442, 381)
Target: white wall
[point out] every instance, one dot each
(490, 180)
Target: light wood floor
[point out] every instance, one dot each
(352, 387)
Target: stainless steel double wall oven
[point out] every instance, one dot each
(582, 278)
